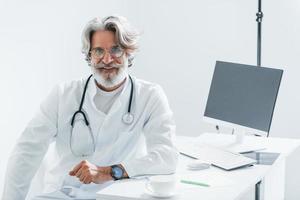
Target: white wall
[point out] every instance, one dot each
(181, 40)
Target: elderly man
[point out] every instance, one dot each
(107, 127)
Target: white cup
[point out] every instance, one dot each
(161, 185)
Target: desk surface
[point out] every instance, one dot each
(284, 146)
(242, 179)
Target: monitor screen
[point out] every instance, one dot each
(243, 94)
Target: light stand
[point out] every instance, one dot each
(259, 16)
(240, 134)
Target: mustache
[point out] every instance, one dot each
(103, 65)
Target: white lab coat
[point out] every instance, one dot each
(144, 147)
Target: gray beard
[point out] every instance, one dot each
(111, 81)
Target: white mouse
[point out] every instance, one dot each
(198, 165)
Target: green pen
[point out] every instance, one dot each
(194, 183)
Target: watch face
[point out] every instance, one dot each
(117, 172)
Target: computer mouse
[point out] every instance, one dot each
(198, 165)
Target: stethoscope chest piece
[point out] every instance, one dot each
(128, 118)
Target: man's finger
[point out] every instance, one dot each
(87, 180)
(84, 173)
(82, 177)
(78, 173)
(76, 168)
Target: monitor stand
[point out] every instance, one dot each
(240, 145)
(239, 136)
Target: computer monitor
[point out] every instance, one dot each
(243, 97)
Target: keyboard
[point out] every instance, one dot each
(242, 148)
(218, 157)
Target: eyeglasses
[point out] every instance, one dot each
(115, 52)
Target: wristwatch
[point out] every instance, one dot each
(117, 172)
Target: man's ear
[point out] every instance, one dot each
(128, 52)
(129, 56)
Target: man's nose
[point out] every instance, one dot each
(107, 58)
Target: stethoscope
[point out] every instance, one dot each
(127, 118)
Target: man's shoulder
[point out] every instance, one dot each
(71, 85)
(148, 87)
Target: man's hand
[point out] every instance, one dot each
(87, 173)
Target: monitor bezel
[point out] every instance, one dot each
(237, 128)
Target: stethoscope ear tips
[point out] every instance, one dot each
(128, 118)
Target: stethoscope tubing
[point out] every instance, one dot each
(127, 118)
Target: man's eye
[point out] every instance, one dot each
(99, 51)
(116, 51)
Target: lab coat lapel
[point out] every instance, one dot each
(95, 117)
(106, 133)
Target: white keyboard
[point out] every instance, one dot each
(216, 156)
(242, 148)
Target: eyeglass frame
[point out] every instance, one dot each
(107, 51)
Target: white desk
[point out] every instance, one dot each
(271, 176)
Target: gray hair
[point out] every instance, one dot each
(125, 35)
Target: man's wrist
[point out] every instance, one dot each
(105, 172)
